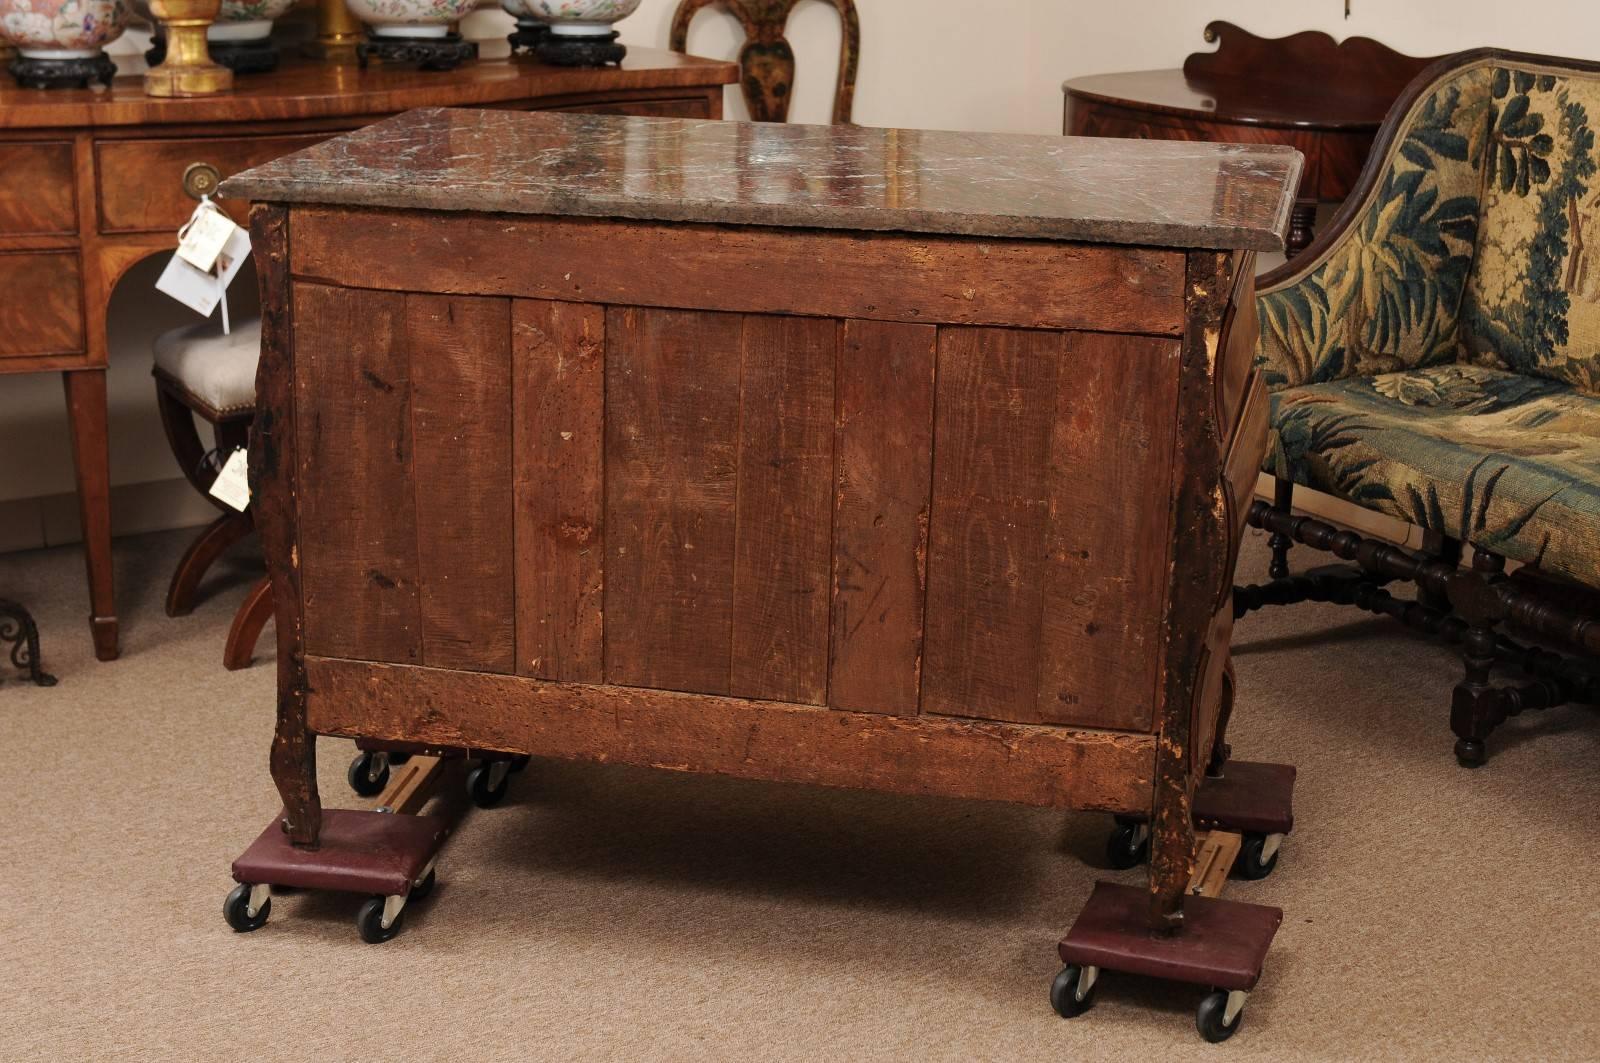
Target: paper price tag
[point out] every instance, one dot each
(232, 484)
(204, 237)
(198, 289)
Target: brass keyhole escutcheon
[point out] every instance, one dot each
(201, 179)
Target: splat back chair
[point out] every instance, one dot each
(766, 61)
(1435, 357)
(200, 372)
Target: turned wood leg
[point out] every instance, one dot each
(1445, 549)
(1283, 502)
(1475, 704)
(1302, 225)
(211, 544)
(253, 614)
(86, 410)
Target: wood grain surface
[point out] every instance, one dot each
(558, 439)
(460, 372)
(874, 276)
(731, 736)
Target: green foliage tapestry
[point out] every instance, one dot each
(1534, 293)
(1389, 296)
(1506, 461)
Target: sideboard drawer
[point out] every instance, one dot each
(42, 311)
(686, 107)
(46, 204)
(141, 181)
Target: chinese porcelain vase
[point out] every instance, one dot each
(581, 18)
(580, 30)
(530, 30)
(62, 29)
(410, 18)
(247, 20)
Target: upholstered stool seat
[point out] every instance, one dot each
(215, 373)
(200, 372)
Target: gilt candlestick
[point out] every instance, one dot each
(188, 69)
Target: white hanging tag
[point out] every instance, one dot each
(204, 236)
(232, 484)
(200, 290)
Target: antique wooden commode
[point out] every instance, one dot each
(900, 460)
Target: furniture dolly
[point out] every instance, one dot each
(892, 459)
(387, 852)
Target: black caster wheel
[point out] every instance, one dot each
(1128, 846)
(1250, 865)
(1208, 1017)
(363, 779)
(1064, 993)
(420, 891)
(480, 784)
(1471, 752)
(236, 910)
(369, 921)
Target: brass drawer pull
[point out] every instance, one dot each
(201, 179)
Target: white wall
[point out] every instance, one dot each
(951, 64)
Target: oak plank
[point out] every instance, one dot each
(1051, 766)
(996, 403)
(672, 421)
(559, 443)
(460, 350)
(884, 457)
(958, 280)
(357, 511)
(1105, 570)
(784, 515)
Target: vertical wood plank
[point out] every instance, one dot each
(672, 422)
(884, 456)
(460, 350)
(785, 517)
(996, 401)
(358, 526)
(559, 443)
(1107, 533)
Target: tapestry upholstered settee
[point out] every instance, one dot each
(1435, 356)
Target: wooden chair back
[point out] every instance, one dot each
(766, 62)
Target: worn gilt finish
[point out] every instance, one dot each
(895, 528)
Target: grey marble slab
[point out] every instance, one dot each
(1146, 192)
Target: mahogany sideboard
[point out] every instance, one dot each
(1323, 97)
(901, 460)
(92, 182)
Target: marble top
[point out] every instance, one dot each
(1148, 192)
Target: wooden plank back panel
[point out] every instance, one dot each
(672, 422)
(357, 518)
(784, 532)
(1108, 532)
(559, 445)
(460, 349)
(883, 463)
(995, 406)
(879, 276)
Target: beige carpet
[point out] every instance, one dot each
(608, 913)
